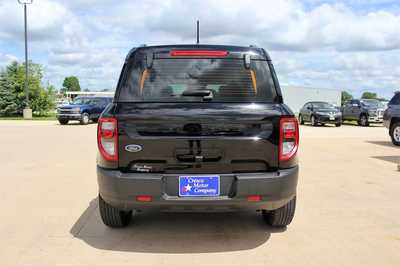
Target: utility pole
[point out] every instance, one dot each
(198, 31)
(27, 111)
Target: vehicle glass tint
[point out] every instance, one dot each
(372, 103)
(323, 105)
(354, 102)
(227, 79)
(395, 100)
(83, 100)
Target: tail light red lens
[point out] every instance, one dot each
(198, 53)
(289, 138)
(107, 138)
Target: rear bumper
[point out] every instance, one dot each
(120, 190)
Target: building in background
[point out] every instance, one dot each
(73, 94)
(296, 96)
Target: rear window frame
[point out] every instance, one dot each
(141, 54)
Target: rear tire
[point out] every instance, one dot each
(282, 216)
(301, 121)
(395, 133)
(113, 217)
(63, 121)
(363, 120)
(85, 119)
(338, 124)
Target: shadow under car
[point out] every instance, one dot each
(161, 232)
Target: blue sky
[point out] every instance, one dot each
(349, 45)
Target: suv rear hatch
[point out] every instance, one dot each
(197, 111)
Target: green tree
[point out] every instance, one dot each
(346, 97)
(369, 95)
(44, 101)
(71, 83)
(12, 93)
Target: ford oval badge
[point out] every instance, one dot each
(133, 148)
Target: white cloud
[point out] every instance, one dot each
(277, 25)
(312, 43)
(5, 59)
(45, 17)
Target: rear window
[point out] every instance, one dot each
(227, 80)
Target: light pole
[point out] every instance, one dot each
(27, 110)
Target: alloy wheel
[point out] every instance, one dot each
(396, 133)
(313, 121)
(363, 120)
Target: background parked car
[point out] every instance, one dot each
(391, 119)
(364, 111)
(83, 109)
(320, 113)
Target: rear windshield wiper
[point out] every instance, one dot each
(206, 94)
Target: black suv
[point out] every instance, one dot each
(364, 111)
(391, 118)
(320, 113)
(197, 128)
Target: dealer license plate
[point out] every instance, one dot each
(199, 186)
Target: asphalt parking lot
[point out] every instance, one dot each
(348, 210)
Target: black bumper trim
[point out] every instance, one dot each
(120, 190)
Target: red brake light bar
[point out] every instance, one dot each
(198, 53)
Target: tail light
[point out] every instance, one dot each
(289, 138)
(107, 138)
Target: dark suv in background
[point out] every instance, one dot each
(364, 111)
(82, 109)
(391, 118)
(320, 113)
(197, 128)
